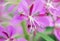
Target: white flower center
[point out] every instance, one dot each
(50, 5)
(32, 23)
(31, 18)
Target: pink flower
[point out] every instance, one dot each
(53, 7)
(1, 1)
(57, 33)
(57, 28)
(56, 0)
(34, 15)
(10, 33)
(29, 1)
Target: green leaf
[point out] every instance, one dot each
(44, 36)
(13, 1)
(48, 30)
(53, 37)
(18, 0)
(25, 30)
(41, 39)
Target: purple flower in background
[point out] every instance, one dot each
(57, 33)
(56, 0)
(57, 29)
(1, 1)
(34, 15)
(9, 34)
(53, 7)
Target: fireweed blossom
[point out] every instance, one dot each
(1, 1)
(57, 33)
(53, 7)
(34, 14)
(3, 12)
(9, 34)
(57, 29)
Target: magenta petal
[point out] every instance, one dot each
(2, 40)
(55, 12)
(30, 1)
(57, 33)
(1, 32)
(22, 39)
(38, 6)
(56, 9)
(19, 30)
(11, 30)
(16, 20)
(23, 7)
(56, 0)
(11, 8)
(40, 29)
(45, 21)
(2, 1)
(16, 25)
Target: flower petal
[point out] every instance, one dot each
(30, 1)
(11, 8)
(57, 33)
(23, 7)
(38, 7)
(22, 39)
(3, 35)
(43, 22)
(55, 9)
(11, 30)
(46, 20)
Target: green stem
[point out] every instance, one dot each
(26, 35)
